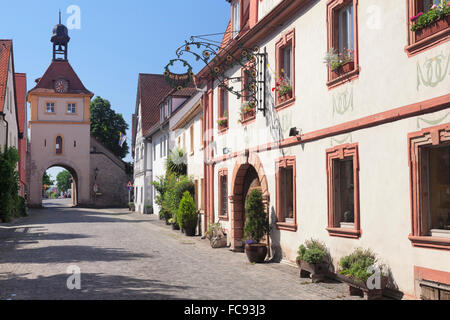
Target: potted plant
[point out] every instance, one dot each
(247, 111)
(223, 122)
(256, 227)
(313, 260)
(148, 209)
(357, 270)
(283, 88)
(339, 63)
(174, 224)
(131, 206)
(188, 214)
(431, 22)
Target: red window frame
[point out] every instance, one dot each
(222, 174)
(414, 46)
(288, 39)
(281, 223)
(433, 136)
(333, 7)
(220, 110)
(340, 153)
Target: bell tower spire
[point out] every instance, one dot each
(60, 40)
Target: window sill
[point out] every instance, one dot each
(222, 130)
(285, 104)
(430, 242)
(286, 226)
(249, 119)
(223, 218)
(349, 76)
(427, 43)
(344, 233)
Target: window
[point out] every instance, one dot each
(434, 33)
(342, 29)
(154, 151)
(71, 108)
(285, 66)
(162, 114)
(286, 193)
(201, 133)
(50, 107)
(59, 145)
(430, 178)
(343, 191)
(223, 109)
(191, 136)
(169, 107)
(184, 140)
(223, 194)
(236, 14)
(161, 147)
(202, 194)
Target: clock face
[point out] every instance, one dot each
(61, 86)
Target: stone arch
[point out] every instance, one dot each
(237, 210)
(81, 180)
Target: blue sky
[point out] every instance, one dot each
(117, 39)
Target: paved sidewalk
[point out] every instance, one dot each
(125, 255)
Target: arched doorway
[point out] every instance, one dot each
(59, 187)
(248, 174)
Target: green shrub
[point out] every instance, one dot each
(313, 252)
(357, 263)
(257, 221)
(9, 185)
(188, 215)
(177, 162)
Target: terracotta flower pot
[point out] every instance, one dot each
(433, 28)
(345, 68)
(256, 253)
(285, 97)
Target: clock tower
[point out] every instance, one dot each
(60, 124)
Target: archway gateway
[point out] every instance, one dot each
(248, 174)
(72, 185)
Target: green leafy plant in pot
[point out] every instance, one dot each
(188, 214)
(256, 227)
(312, 259)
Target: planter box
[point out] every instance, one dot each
(223, 126)
(286, 97)
(440, 233)
(248, 115)
(359, 288)
(316, 272)
(436, 27)
(345, 68)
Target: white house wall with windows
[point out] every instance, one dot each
(186, 129)
(9, 130)
(355, 157)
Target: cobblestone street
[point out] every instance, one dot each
(132, 256)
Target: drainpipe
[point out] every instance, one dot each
(2, 114)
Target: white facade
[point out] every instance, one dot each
(186, 130)
(354, 112)
(8, 122)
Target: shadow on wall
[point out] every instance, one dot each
(277, 253)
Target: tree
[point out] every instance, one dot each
(10, 202)
(106, 126)
(63, 181)
(47, 181)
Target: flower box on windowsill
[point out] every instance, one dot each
(345, 68)
(248, 115)
(359, 288)
(433, 28)
(287, 96)
(222, 124)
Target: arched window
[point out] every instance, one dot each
(59, 145)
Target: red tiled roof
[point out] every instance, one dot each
(21, 92)
(60, 69)
(227, 36)
(5, 53)
(152, 88)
